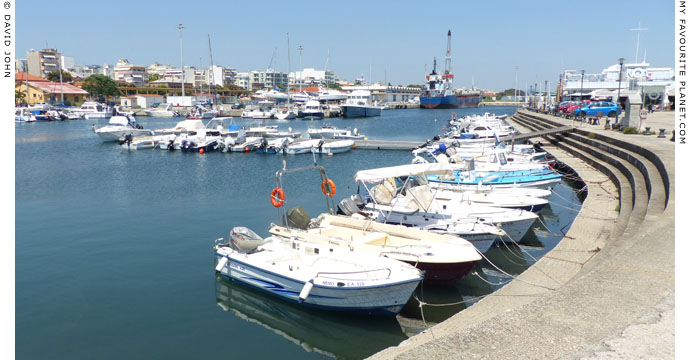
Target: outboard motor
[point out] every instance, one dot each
(171, 145)
(244, 240)
(298, 218)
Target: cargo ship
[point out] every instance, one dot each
(438, 92)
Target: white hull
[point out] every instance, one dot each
(335, 147)
(324, 278)
(115, 135)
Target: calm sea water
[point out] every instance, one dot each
(114, 249)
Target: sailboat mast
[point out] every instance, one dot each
(62, 92)
(288, 52)
(212, 74)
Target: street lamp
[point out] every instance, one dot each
(516, 82)
(620, 78)
(582, 85)
(179, 26)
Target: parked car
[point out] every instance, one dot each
(570, 108)
(237, 105)
(563, 106)
(602, 108)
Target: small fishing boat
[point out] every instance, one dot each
(315, 275)
(505, 179)
(162, 110)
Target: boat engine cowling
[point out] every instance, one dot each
(244, 240)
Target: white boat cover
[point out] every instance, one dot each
(190, 125)
(378, 175)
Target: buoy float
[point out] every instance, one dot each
(443, 128)
(246, 149)
(222, 263)
(330, 154)
(201, 151)
(305, 291)
(366, 139)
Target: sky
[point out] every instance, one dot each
(386, 41)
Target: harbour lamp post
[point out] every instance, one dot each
(179, 26)
(300, 67)
(620, 78)
(582, 85)
(516, 82)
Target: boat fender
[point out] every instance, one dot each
(331, 187)
(277, 197)
(221, 264)
(306, 290)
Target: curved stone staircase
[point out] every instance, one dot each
(630, 272)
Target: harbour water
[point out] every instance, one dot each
(114, 249)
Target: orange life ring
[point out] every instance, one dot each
(277, 197)
(331, 187)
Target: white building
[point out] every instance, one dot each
(311, 77)
(269, 78)
(221, 76)
(145, 101)
(655, 83)
(384, 94)
(242, 80)
(129, 73)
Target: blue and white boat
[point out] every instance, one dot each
(312, 111)
(359, 104)
(497, 179)
(315, 275)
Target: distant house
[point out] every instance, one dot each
(145, 101)
(44, 91)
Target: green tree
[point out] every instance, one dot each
(414, 86)
(55, 76)
(334, 86)
(154, 77)
(100, 86)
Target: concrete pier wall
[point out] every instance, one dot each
(607, 289)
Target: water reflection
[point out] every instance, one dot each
(341, 335)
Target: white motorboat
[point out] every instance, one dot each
(413, 204)
(322, 276)
(141, 142)
(441, 257)
(312, 111)
(120, 126)
(334, 147)
(359, 104)
(184, 126)
(301, 147)
(332, 132)
(93, 110)
(285, 113)
(200, 112)
(162, 110)
(23, 115)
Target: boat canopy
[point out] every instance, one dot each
(380, 174)
(190, 125)
(118, 120)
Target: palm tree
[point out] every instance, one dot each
(19, 96)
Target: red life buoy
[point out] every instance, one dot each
(277, 197)
(331, 187)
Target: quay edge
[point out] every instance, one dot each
(607, 287)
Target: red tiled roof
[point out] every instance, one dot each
(149, 95)
(21, 76)
(54, 88)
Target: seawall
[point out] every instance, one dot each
(607, 287)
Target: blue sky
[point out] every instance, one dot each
(395, 39)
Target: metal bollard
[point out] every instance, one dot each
(673, 138)
(661, 133)
(646, 130)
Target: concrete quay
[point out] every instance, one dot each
(607, 289)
